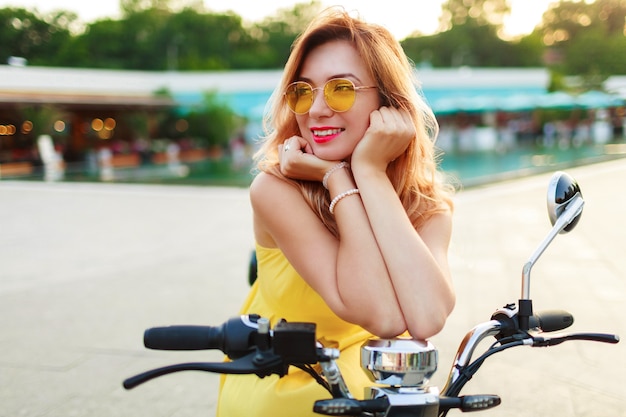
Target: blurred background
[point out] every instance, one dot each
(174, 91)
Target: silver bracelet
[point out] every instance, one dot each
(342, 164)
(333, 203)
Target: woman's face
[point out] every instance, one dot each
(333, 135)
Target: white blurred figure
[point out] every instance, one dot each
(173, 160)
(602, 131)
(238, 152)
(105, 161)
(54, 168)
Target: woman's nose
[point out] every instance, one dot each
(319, 108)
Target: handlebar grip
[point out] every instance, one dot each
(184, 338)
(236, 337)
(552, 320)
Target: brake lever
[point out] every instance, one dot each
(555, 339)
(260, 363)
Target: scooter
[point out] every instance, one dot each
(400, 367)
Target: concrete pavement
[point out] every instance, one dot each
(85, 268)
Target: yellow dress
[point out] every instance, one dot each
(279, 292)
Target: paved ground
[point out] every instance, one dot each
(85, 268)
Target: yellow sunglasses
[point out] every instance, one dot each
(339, 95)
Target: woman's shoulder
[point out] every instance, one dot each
(278, 207)
(262, 180)
(266, 185)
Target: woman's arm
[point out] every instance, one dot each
(416, 261)
(349, 273)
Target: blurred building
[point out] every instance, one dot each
(89, 108)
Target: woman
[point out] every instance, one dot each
(351, 223)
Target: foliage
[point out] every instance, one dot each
(275, 35)
(28, 35)
(213, 122)
(574, 37)
(465, 44)
(588, 38)
(205, 41)
(481, 12)
(42, 119)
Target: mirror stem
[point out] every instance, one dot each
(572, 210)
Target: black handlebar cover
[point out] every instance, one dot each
(236, 337)
(552, 320)
(184, 338)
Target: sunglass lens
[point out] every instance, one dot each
(299, 97)
(339, 94)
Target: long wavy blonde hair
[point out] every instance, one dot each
(414, 174)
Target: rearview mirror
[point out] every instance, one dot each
(562, 190)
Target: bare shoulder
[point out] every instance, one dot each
(267, 189)
(264, 180)
(280, 212)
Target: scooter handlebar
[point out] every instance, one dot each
(235, 337)
(184, 338)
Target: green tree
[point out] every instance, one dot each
(470, 34)
(129, 7)
(480, 12)
(473, 44)
(37, 38)
(528, 50)
(588, 38)
(578, 37)
(104, 44)
(158, 39)
(196, 41)
(276, 34)
(464, 44)
(42, 118)
(213, 122)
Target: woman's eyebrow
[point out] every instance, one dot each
(342, 75)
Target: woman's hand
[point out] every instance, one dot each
(298, 162)
(389, 134)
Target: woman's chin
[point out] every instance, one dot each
(330, 154)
